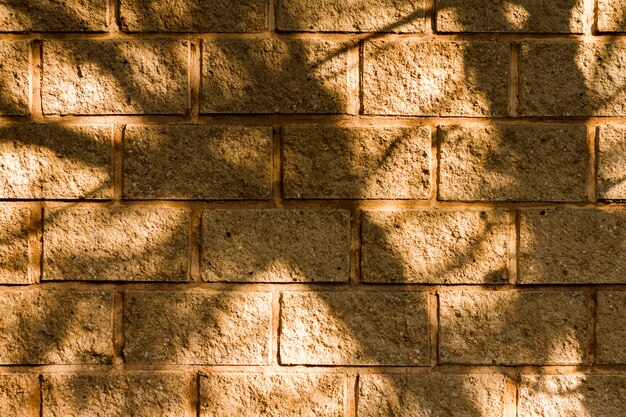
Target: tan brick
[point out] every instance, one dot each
(53, 16)
(612, 163)
(427, 395)
(117, 395)
(274, 76)
(18, 395)
(435, 246)
(197, 327)
(435, 78)
(197, 162)
(611, 16)
(193, 16)
(553, 16)
(568, 78)
(115, 76)
(572, 395)
(14, 227)
(348, 328)
(14, 79)
(513, 163)
(373, 163)
(116, 243)
(52, 161)
(400, 16)
(271, 395)
(513, 327)
(275, 245)
(54, 327)
(611, 327)
(572, 246)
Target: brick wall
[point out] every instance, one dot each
(313, 208)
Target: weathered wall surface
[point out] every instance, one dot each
(313, 208)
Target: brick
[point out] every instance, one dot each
(553, 16)
(116, 244)
(273, 76)
(115, 77)
(435, 246)
(348, 328)
(399, 16)
(14, 227)
(572, 395)
(198, 328)
(53, 161)
(275, 245)
(568, 78)
(611, 16)
(513, 163)
(54, 327)
(48, 16)
(611, 327)
(420, 78)
(372, 163)
(426, 395)
(271, 395)
(611, 163)
(18, 395)
(513, 328)
(197, 162)
(572, 246)
(193, 16)
(117, 395)
(14, 79)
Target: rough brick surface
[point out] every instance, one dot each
(567, 78)
(611, 327)
(426, 395)
(193, 16)
(14, 79)
(513, 163)
(372, 163)
(55, 16)
(513, 328)
(554, 16)
(435, 246)
(115, 77)
(14, 227)
(273, 76)
(435, 78)
(275, 245)
(612, 163)
(18, 395)
(611, 16)
(116, 395)
(572, 395)
(55, 161)
(56, 327)
(197, 328)
(271, 395)
(350, 16)
(572, 246)
(117, 244)
(348, 328)
(197, 162)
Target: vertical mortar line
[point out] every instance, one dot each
(195, 77)
(514, 59)
(435, 163)
(589, 16)
(118, 328)
(271, 16)
(591, 348)
(356, 222)
(40, 397)
(510, 397)
(361, 49)
(350, 396)
(353, 78)
(35, 76)
(513, 247)
(35, 244)
(517, 246)
(433, 326)
(195, 244)
(274, 358)
(277, 165)
(111, 15)
(194, 396)
(430, 26)
(198, 394)
(117, 160)
(592, 162)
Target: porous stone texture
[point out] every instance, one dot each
(193, 16)
(611, 16)
(14, 78)
(427, 395)
(56, 327)
(18, 395)
(274, 76)
(14, 228)
(371, 163)
(611, 327)
(115, 76)
(271, 395)
(350, 328)
(53, 15)
(572, 395)
(569, 78)
(612, 162)
(572, 246)
(513, 327)
(178, 327)
(275, 245)
(513, 163)
(435, 246)
(400, 16)
(116, 395)
(413, 77)
(197, 162)
(116, 243)
(55, 161)
(553, 16)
